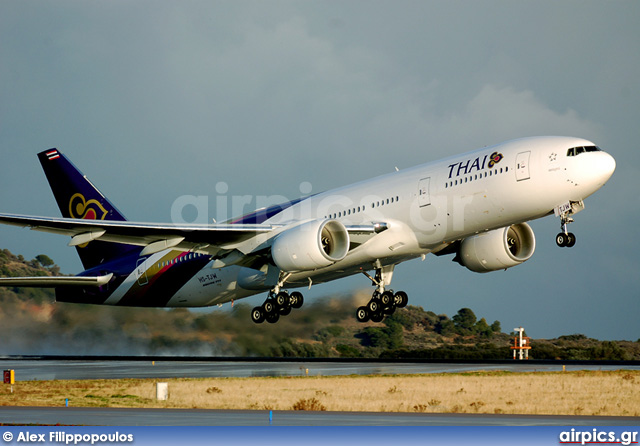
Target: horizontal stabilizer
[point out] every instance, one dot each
(47, 282)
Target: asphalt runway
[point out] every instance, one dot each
(62, 369)
(197, 417)
(34, 369)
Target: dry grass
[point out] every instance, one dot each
(554, 393)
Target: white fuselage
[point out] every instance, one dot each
(425, 207)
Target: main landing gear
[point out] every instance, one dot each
(383, 302)
(278, 303)
(565, 238)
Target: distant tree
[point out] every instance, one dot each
(495, 327)
(44, 260)
(608, 350)
(389, 337)
(464, 321)
(347, 351)
(445, 326)
(482, 328)
(573, 337)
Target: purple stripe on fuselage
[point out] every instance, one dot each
(262, 215)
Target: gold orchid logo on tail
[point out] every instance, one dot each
(79, 207)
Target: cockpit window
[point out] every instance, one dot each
(573, 151)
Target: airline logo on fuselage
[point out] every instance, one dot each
(474, 165)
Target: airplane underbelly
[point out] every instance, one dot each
(210, 287)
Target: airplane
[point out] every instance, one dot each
(473, 206)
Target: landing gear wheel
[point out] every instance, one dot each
(272, 318)
(401, 299)
(389, 310)
(362, 314)
(572, 240)
(296, 299)
(282, 299)
(386, 298)
(373, 306)
(377, 317)
(562, 240)
(257, 315)
(268, 307)
(284, 311)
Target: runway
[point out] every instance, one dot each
(49, 369)
(32, 369)
(197, 417)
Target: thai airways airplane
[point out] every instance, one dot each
(474, 206)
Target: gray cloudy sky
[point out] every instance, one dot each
(157, 99)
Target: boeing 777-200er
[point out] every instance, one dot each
(474, 206)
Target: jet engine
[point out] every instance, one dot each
(498, 249)
(311, 245)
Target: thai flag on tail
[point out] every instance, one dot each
(52, 154)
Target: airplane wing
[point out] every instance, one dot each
(210, 239)
(46, 281)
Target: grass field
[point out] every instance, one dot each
(613, 393)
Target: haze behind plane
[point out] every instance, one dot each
(473, 206)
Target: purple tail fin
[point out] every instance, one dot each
(77, 197)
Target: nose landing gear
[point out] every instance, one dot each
(564, 211)
(565, 238)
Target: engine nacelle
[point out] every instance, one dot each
(498, 249)
(311, 245)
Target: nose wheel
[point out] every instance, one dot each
(565, 239)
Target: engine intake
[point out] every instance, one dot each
(311, 245)
(498, 249)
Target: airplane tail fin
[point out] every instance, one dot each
(77, 197)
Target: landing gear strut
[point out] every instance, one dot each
(383, 302)
(564, 211)
(278, 303)
(565, 238)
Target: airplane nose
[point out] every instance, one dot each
(607, 167)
